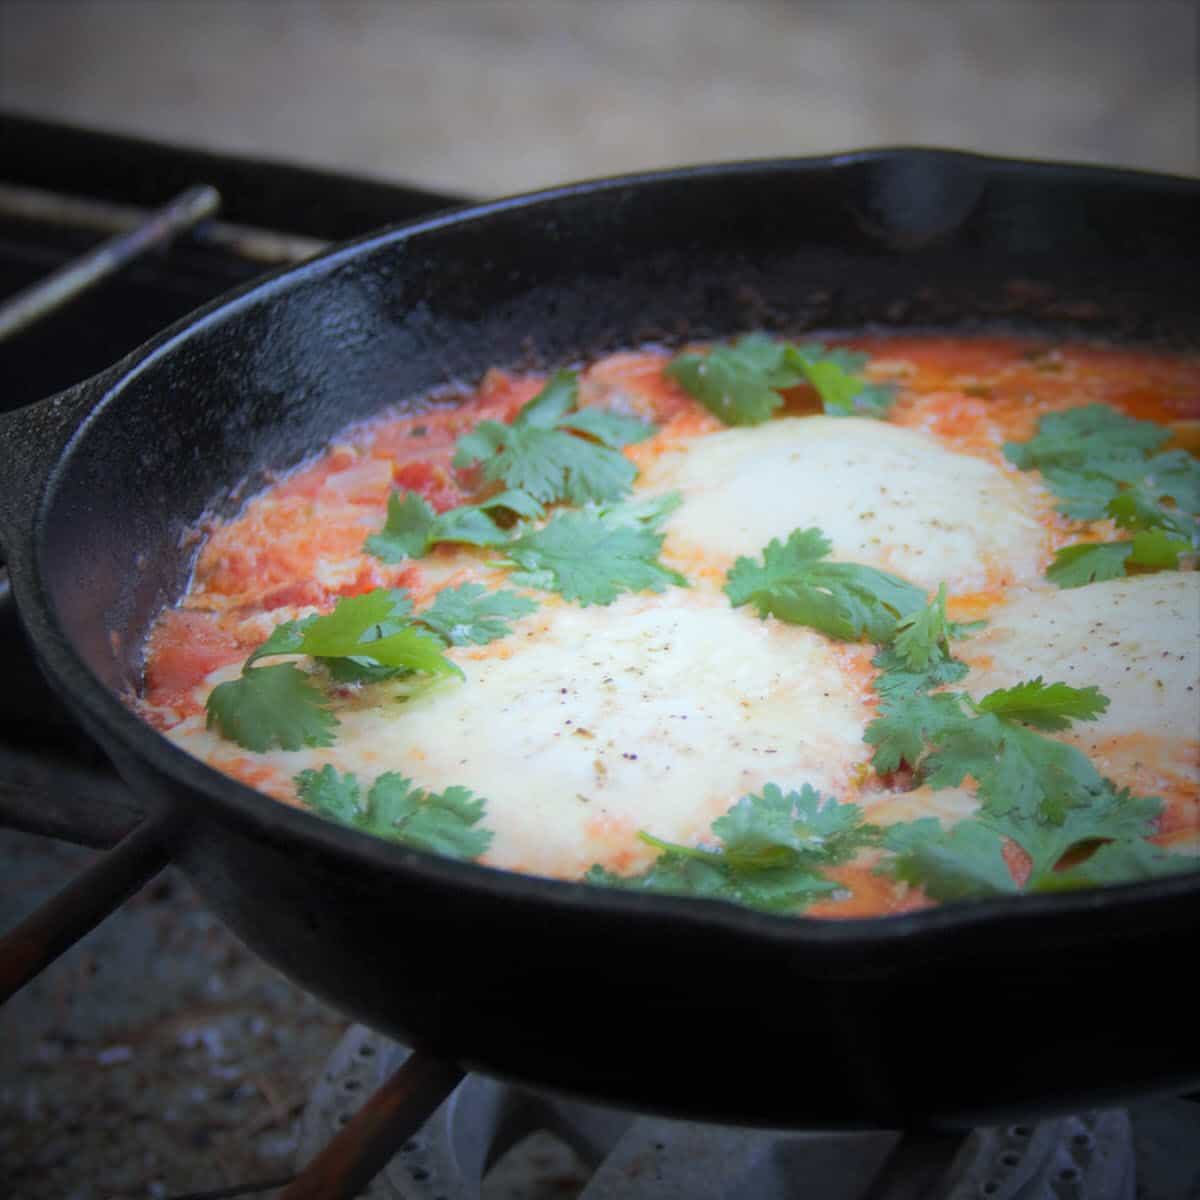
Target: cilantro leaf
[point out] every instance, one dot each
(897, 681)
(1045, 705)
(543, 455)
(775, 847)
(844, 600)
(394, 809)
(287, 638)
(1092, 436)
(365, 639)
(919, 658)
(331, 793)
(413, 526)
(271, 706)
(611, 429)
(1089, 562)
(742, 383)
(772, 889)
(1015, 768)
(1175, 474)
(1099, 463)
(1157, 550)
(763, 830)
(924, 635)
(589, 559)
(1136, 509)
(906, 723)
(964, 862)
(967, 860)
(1117, 862)
(1094, 562)
(1110, 816)
(471, 615)
(945, 739)
(649, 511)
(370, 626)
(440, 822)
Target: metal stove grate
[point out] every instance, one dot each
(1090, 1156)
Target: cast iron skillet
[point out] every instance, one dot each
(961, 1015)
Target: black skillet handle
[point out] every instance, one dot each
(54, 780)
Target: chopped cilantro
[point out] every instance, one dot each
(844, 600)
(552, 453)
(742, 383)
(774, 850)
(440, 822)
(590, 558)
(413, 526)
(471, 615)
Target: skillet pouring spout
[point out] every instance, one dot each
(958, 1016)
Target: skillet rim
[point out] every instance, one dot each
(288, 827)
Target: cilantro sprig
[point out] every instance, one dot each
(553, 452)
(593, 555)
(1100, 464)
(743, 383)
(445, 823)
(1102, 843)
(844, 600)
(1043, 795)
(946, 737)
(413, 526)
(772, 853)
(366, 639)
(281, 706)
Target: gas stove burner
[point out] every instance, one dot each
(622, 1156)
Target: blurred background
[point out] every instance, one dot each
(483, 97)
